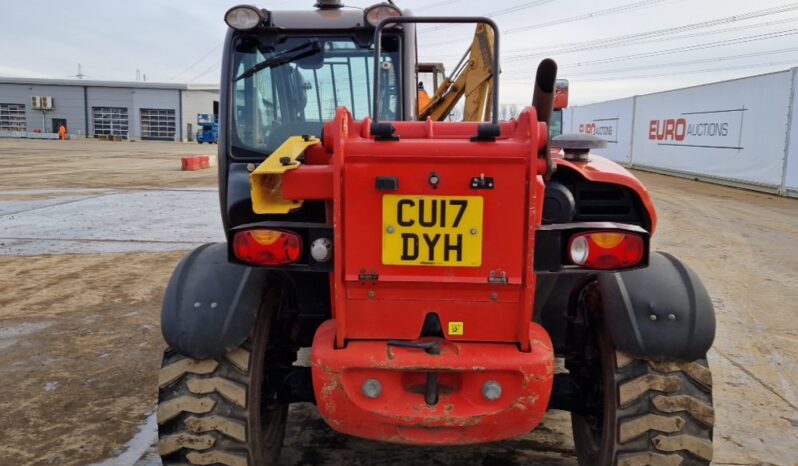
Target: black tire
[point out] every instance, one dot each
(212, 412)
(652, 413)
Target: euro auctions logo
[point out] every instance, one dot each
(606, 128)
(678, 130)
(717, 129)
(596, 130)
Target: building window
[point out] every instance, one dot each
(111, 121)
(158, 124)
(13, 118)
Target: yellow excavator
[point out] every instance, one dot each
(472, 78)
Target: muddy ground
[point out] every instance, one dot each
(80, 339)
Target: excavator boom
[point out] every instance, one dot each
(472, 78)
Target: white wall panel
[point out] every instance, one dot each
(611, 121)
(791, 169)
(733, 130)
(567, 120)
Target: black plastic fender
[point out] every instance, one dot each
(660, 312)
(210, 304)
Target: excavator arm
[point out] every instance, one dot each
(472, 78)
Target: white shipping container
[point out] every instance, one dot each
(611, 121)
(734, 130)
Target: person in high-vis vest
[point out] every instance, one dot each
(423, 97)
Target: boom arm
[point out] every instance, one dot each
(472, 77)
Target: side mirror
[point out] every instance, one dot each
(560, 94)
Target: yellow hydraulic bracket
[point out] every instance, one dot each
(266, 181)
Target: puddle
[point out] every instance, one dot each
(10, 334)
(138, 221)
(134, 450)
(47, 192)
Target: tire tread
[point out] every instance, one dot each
(202, 414)
(667, 416)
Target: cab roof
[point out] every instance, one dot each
(339, 18)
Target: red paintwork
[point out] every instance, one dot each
(309, 183)
(461, 416)
(500, 342)
(603, 170)
(504, 223)
(393, 306)
(560, 100)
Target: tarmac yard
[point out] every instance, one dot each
(90, 232)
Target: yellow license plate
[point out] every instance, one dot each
(432, 230)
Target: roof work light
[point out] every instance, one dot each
(244, 17)
(376, 13)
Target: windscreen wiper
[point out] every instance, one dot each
(300, 51)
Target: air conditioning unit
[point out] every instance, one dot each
(47, 102)
(42, 102)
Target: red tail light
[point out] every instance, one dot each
(267, 247)
(606, 250)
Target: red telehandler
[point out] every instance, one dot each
(435, 269)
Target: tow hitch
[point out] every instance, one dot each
(432, 392)
(429, 347)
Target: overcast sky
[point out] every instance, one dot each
(608, 49)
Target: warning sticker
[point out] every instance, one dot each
(456, 328)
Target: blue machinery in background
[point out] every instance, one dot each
(209, 128)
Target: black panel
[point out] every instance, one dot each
(553, 294)
(308, 307)
(601, 202)
(387, 183)
(559, 205)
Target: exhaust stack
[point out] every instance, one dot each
(543, 98)
(543, 101)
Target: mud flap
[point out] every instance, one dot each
(659, 312)
(210, 304)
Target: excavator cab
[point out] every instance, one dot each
(430, 76)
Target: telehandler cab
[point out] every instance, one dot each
(435, 269)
